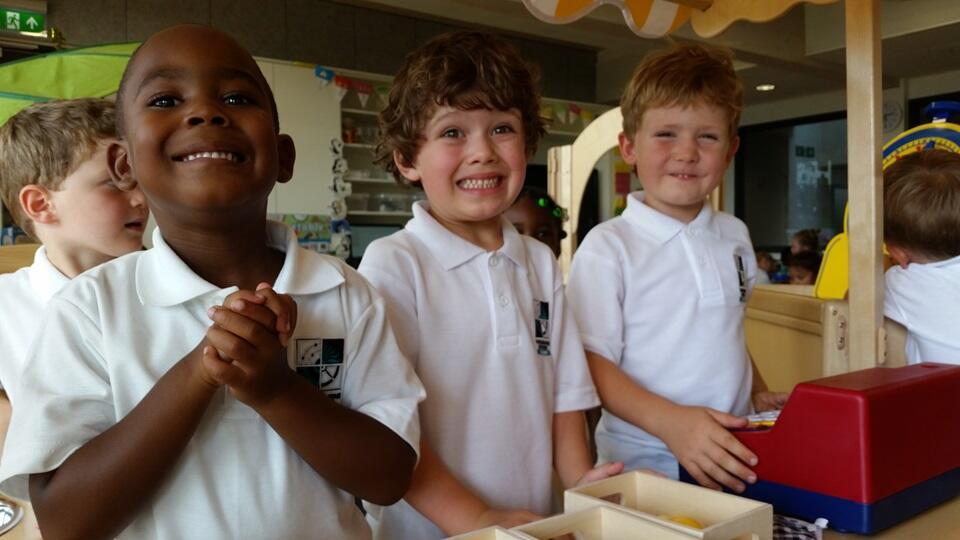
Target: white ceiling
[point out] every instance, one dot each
(801, 52)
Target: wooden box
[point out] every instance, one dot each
(647, 496)
(489, 533)
(597, 523)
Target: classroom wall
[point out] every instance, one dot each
(312, 31)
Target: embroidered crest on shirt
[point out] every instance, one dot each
(742, 276)
(320, 361)
(541, 326)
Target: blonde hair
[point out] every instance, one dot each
(45, 143)
(921, 203)
(683, 75)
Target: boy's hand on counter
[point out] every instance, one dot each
(769, 401)
(600, 472)
(245, 352)
(699, 439)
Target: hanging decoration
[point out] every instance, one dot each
(325, 75)
(343, 86)
(363, 91)
(657, 18)
(383, 92)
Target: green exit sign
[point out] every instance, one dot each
(22, 20)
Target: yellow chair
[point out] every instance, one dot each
(13, 258)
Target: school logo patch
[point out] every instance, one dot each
(742, 276)
(320, 361)
(541, 327)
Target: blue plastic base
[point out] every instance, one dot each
(850, 516)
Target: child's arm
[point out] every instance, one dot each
(571, 455)
(365, 457)
(763, 399)
(439, 496)
(697, 436)
(116, 473)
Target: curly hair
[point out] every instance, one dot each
(467, 70)
(45, 143)
(921, 203)
(682, 75)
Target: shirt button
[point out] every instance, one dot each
(504, 301)
(494, 259)
(701, 260)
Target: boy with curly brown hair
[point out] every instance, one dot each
(508, 365)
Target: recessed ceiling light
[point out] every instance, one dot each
(766, 87)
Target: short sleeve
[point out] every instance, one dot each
(62, 400)
(380, 382)
(893, 285)
(574, 387)
(595, 294)
(400, 298)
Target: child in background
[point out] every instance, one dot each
(54, 181)
(804, 267)
(478, 308)
(766, 267)
(183, 429)
(805, 240)
(659, 292)
(921, 228)
(535, 214)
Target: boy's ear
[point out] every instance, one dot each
(900, 255)
(287, 153)
(627, 146)
(118, 163)
(410, 172)
(37, 204)
(734, 146)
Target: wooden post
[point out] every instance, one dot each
(865, 181)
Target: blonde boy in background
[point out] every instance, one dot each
(921, 228)
(478, 308)
(659, 292)
(55, 183)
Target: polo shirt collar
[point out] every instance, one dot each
(661, 226)
(163, 279)
(45, 279)
(451, 250)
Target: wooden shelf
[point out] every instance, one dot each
(363, 112)
(358, 145)
(369, 180)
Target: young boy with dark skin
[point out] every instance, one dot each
(535, 214)
(229, 441)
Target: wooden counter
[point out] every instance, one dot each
(939, 522)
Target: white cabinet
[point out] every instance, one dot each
(310, 113)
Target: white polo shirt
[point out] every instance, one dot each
(115, 330)
(925, 298)
(23, 295)
(490, 337)
(665, 301)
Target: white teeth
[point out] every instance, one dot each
(230, 156)
(480, 183)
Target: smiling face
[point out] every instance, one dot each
(531, 220)
(471, 165)
(198, 125)
(96, 220)
(680, 154)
